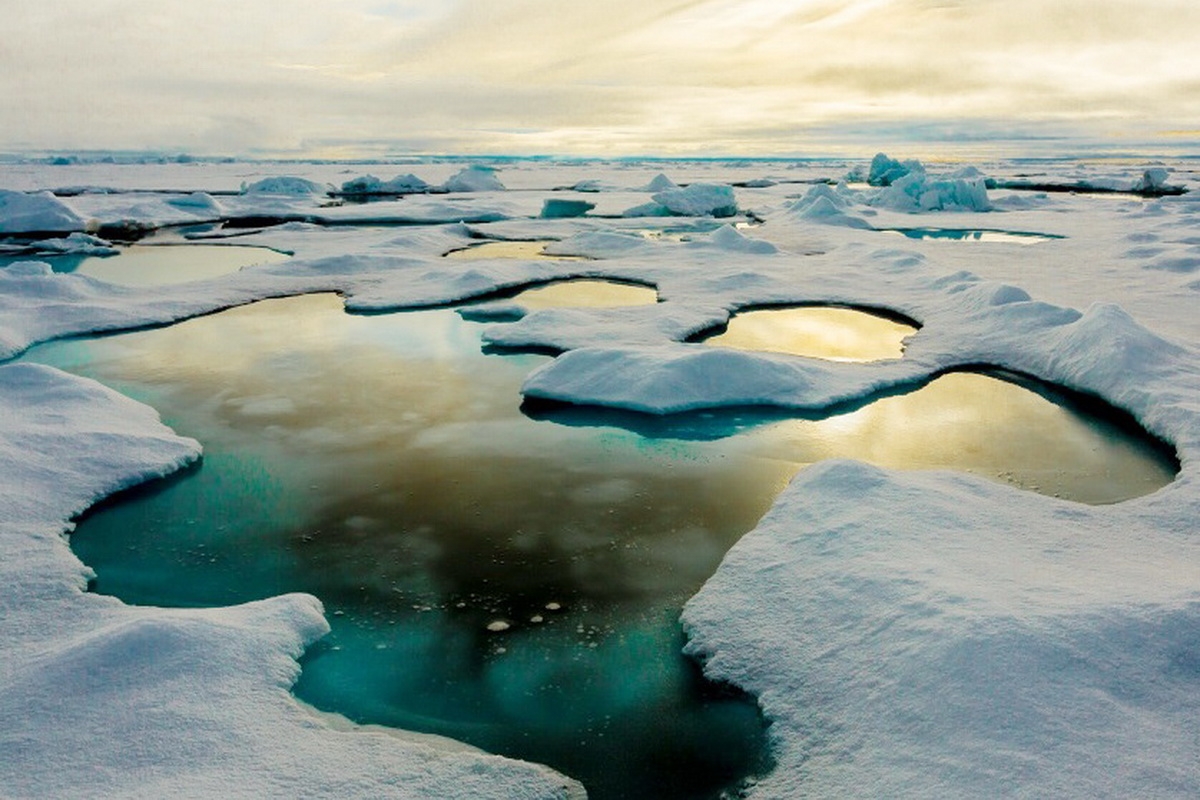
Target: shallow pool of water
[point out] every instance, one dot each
(508, 581)
(510, 249)
(829, 332)
(585, 293)
(163, 264)
(973, 235)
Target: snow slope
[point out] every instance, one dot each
(907, 634)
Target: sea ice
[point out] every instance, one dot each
(907, 634)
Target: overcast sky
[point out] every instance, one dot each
(618, 77)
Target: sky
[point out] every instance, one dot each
(353, 78)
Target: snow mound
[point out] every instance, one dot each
(823, 204)
(699, 200)
(41, 212)
(732, 240)
(474, 179)
(284, 185)
(200, 202)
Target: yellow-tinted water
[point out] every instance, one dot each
(836, 334)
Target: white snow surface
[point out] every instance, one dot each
(40, 211)
(907, 634)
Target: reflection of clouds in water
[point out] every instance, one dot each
(837, 334)
(984, 425)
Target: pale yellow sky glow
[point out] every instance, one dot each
(624, 77)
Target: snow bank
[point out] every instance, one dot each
(40, 212)
(474, 179)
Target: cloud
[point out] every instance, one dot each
(644, 76)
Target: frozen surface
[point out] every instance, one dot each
(909, 634)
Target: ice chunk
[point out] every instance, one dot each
(554, 208)
(1152, 179)
(699, 200)
(41, 212)
(915, 191)
(474, 178)
(885, 171)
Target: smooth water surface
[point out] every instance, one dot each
(973, 235)
(829, 332)
(511, 249)
(510, 582)
(585, 293)
(163, 264)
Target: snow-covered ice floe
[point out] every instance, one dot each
(906, 634)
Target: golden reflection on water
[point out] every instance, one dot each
(586, 293)
(163, 264)
(832, 333)
(510, 249)
(986, 426)
(303, 374)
